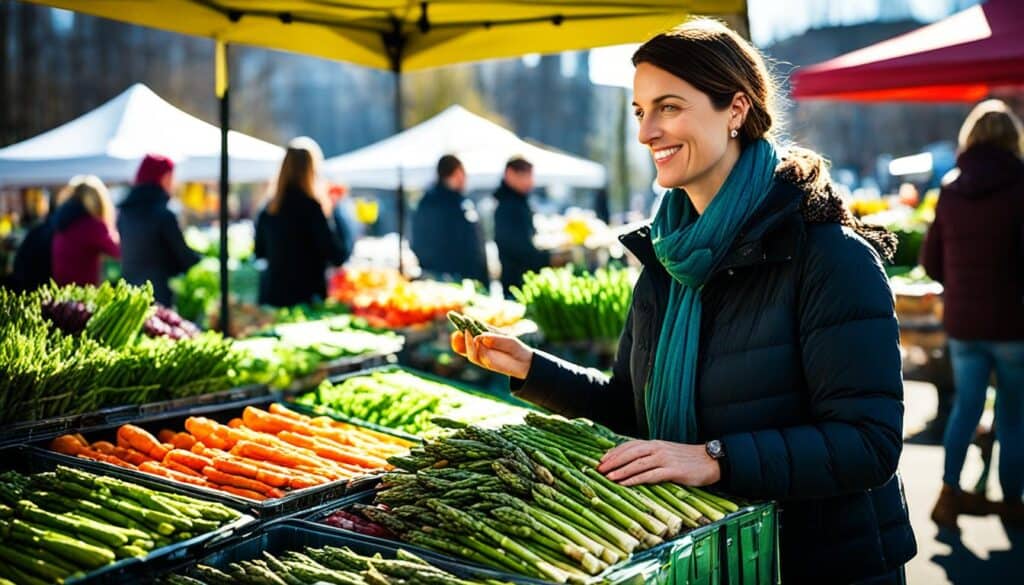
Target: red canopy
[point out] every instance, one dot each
(960, 58)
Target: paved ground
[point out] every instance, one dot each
(985, 551)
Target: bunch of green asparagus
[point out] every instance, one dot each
(528, 499)
(67, 523)
(577, 307)
(329, 564)
(54, 362)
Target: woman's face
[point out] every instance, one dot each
(688, 138)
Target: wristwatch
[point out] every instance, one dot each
(715, 449)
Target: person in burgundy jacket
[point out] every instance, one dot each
(83, 232)
(975, 249)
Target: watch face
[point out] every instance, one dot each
(715, 450)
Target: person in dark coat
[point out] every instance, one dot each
(152, 246)
(975, 248)
(446, 234)
(32, 259)
(513, 225)
(293, 233)
(761, 350)
(83, 232)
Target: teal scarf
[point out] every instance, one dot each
(690, 246)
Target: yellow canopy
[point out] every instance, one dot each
(429, 34)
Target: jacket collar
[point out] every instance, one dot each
(773, 234)
(146, 194)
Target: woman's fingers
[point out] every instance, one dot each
(458, 343)
(633, 468)
(624, 454)
(471, 347)
(651, 476)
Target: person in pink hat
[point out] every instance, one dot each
(152, 246)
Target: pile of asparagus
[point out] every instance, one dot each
(528, 499)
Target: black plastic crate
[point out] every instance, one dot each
(291, 503)
(33, 431)
(290, 534)
(130, 570)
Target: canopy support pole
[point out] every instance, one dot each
(394, 42)
(223, 96)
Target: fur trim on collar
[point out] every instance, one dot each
(821, 204)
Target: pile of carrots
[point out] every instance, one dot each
(262, 455)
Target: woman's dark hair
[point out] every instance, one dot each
(714, 59)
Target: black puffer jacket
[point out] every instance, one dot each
(799, 376)
(298, 244)
(152, 247)
(513, 234)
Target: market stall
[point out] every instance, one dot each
(111, 140)
(334, 473)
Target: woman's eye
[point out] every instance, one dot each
(668, 108)
(638, 114)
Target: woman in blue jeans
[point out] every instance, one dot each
(975, 249)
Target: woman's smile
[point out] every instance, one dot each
(662, 156)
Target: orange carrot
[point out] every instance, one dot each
(219, 477)
(235, 423)
(182, 441)
(187, 458)
(141, 440)
(156, 469)
(334, 453)
(68, 445)
(288, 458)
(236, 467)
(297, 479)
(165, 435)
(205, 430)
(105, 447)
(107, 459)
(242, 492)
(266, 422)
(181, 468)
(131, 455)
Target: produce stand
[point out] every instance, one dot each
(187, 446)
(26, 460)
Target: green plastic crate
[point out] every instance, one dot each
(741, 549)
(751, 547)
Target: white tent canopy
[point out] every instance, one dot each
(483, 147)
(111, 140)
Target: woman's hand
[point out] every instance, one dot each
(644, 462)
(499, 353)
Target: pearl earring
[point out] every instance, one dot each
(733, 133)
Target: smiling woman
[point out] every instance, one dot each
(761, 353)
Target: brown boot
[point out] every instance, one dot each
(947, 508)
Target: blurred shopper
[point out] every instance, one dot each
(345, 224)
(33, 259)
(152, 246)
(446, 236)
(83, 232)
(513, 225)
(293, 233)
(761, 353)
(975, 249)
